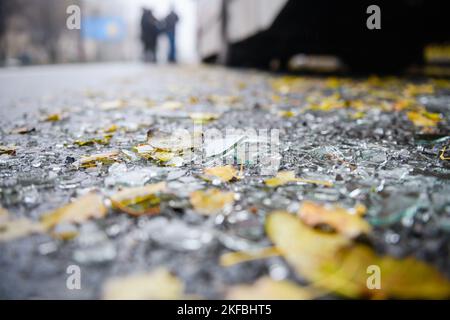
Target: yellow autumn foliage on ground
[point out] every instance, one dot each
(332, 262)
(211, 201)
(347, 222)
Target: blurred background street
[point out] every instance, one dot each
(34, 32)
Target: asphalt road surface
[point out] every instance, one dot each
(374, 142)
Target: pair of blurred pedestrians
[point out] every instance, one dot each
(152, 28)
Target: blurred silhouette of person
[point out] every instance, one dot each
(170, 23)
(150, 28)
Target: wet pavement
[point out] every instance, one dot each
(374, 142)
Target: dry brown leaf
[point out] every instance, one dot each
(211, 201)
(82, 209)
(23, 130)
(156, 285)
(8, 150)
(268, 289)
(347, 222)
(332, 262)
(224, 174)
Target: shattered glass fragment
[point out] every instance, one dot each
(176, 234)
(93, 246)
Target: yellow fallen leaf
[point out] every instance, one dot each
(415, 90)
(144, 150)
(52, 117)
(14, 229)
(232, 258)
(162, 156)
(432, 116)
(424, 119)
(333, 82)
(340, 219)
(287, 114)
(111, 129)
(405, 104)
(103, 141)
(442, 155)
(282, 178)
(203, 117)
(211, 201)
(113, 104)
(408, 278)
(304, 247)
(18, 228)
(317, 182)
(276, 98)
(156, 285)
(131, 196)
(82, 209)
(285, 177)
(268, 289)
(171, 105)
(349, 275)
(65, 235)
(140, 200)
(194, 100)
(332, 262)
(329, 103)
(223, 100)
(224, 174)
(358, 115)
(242, 85)
(92, 161)
(287, 84)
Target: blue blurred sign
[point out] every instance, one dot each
(103, 28)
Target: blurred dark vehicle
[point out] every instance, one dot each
(254, 33)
